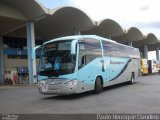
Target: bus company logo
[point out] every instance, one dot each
(116, 62)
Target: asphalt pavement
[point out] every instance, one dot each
(141, 97)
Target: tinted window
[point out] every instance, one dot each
(93, 49)
(106, 48)
(88, 51)
(119, 50)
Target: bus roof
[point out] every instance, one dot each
(79, 37)
(82, 37)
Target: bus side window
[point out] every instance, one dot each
(93, 49)
(82, 58)
(88, 51)
(106, 48)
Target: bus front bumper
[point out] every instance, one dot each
(58, 87)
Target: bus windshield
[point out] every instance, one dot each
(56, 59)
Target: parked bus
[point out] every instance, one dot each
(144, 66)
(77, 64)
(153, 66)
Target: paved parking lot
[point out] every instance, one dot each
(141, 97)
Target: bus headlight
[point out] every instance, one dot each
(71, 83)
(40, 84)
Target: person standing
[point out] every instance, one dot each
(14, 78)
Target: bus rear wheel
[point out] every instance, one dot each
(132, 79)
(98, 85)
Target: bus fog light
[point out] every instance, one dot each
(41, 83)
(71, 83)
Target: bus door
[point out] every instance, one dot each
(89, 60)
(106, 59)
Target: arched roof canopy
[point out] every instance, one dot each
(15, 13)
(134, 34)
(152, 42)
(131, 35)
(110, 27)
(63, 21)
(31, 9)
(151, 39)
(148, 40)
(106, 28)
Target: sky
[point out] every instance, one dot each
(143, 14)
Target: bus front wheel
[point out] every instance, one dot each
(98, 85)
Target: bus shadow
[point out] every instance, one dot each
(86, 94)
(70, 97)
(117, 86)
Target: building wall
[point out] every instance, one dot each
(12, 64)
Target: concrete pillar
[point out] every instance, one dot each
(146, 51)
(106, 36)
(31, 54)
(77, 32)
(157, 53)
(130, 43)
(1, 61)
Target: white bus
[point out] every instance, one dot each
(81, 63)
(153, 66)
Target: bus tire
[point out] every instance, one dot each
(132, 79)
(98, 85)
